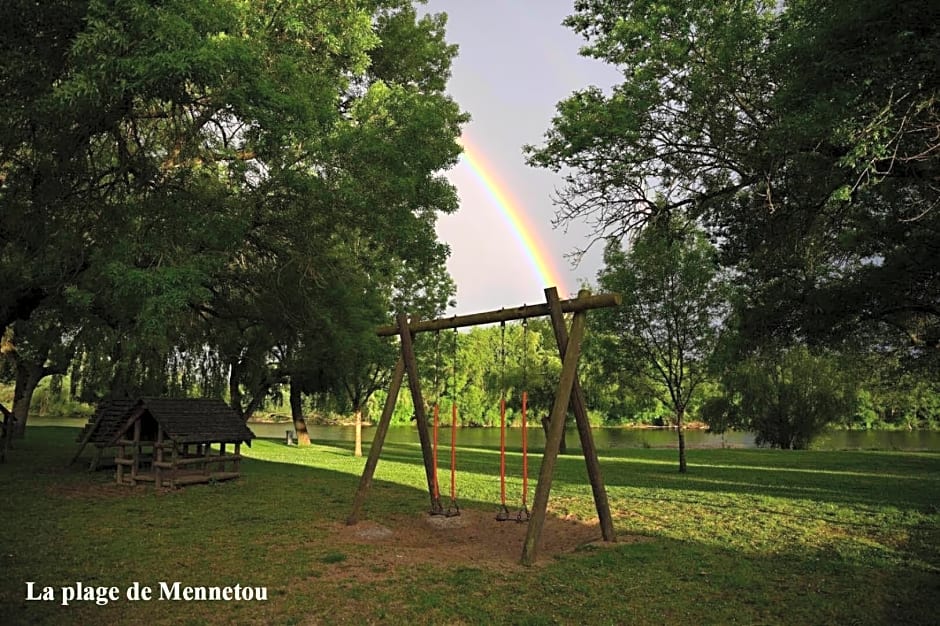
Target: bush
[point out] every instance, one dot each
(786, 398)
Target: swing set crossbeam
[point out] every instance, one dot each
(575, 305)
(568, 395)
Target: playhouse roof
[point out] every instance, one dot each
(107, 421)
(184, 420)
(196, 420)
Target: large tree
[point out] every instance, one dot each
(189, 172)
(806, 134)
(674, 307)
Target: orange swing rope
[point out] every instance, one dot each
(523, 514)
(454, 508)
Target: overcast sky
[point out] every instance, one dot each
(516, 61)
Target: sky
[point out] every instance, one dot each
(515, 63)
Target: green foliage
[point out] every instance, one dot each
(803, 132)
(482, 375)
(674, 306)
(223, 188)
(895, 398)
(664, 334)
(786, 399)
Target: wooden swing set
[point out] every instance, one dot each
(568, 393)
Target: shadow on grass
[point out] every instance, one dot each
(273, 527)
(900, 479)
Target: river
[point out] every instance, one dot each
(604, 438)
(615, 438)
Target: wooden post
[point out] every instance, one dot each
(569, 370)
(236, 463)
(6, 431)
(136, 464)
(119, 473)
(411, 366)
(584, 426)
(174, 473)
(378, 440)
(158, 458)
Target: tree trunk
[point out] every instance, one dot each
(680, 428)
(358, 451)
(297, 414)
(28, 376)
(563, 447)
(234, 390)
(237, 397)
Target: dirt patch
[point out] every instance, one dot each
(473, 538)
(95, 490)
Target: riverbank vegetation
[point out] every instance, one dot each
(748, 536)
(879, 398)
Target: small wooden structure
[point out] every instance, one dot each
(568, 395)
(169, 442)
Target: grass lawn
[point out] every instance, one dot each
(747, 537)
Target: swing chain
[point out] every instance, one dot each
(453, 510)
(502, 513)
(454, 369)
(502, 359)
(523, 514)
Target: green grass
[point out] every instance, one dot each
(747, 536)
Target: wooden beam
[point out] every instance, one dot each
(411, 366)
(579, 407)
(136, 466)
(378, 440)
(556, 429)
(86, 438)
(581, 303)
(199, 460)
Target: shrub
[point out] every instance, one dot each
(786, 398)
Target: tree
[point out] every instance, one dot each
(674, 306)
(786, 399)
(190, 172)
(680, 132)
(804, 133)
(36, 349)
(420, 288)
(850, 197)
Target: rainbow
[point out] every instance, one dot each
(515, 216)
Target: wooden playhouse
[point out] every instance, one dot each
(170, 442)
